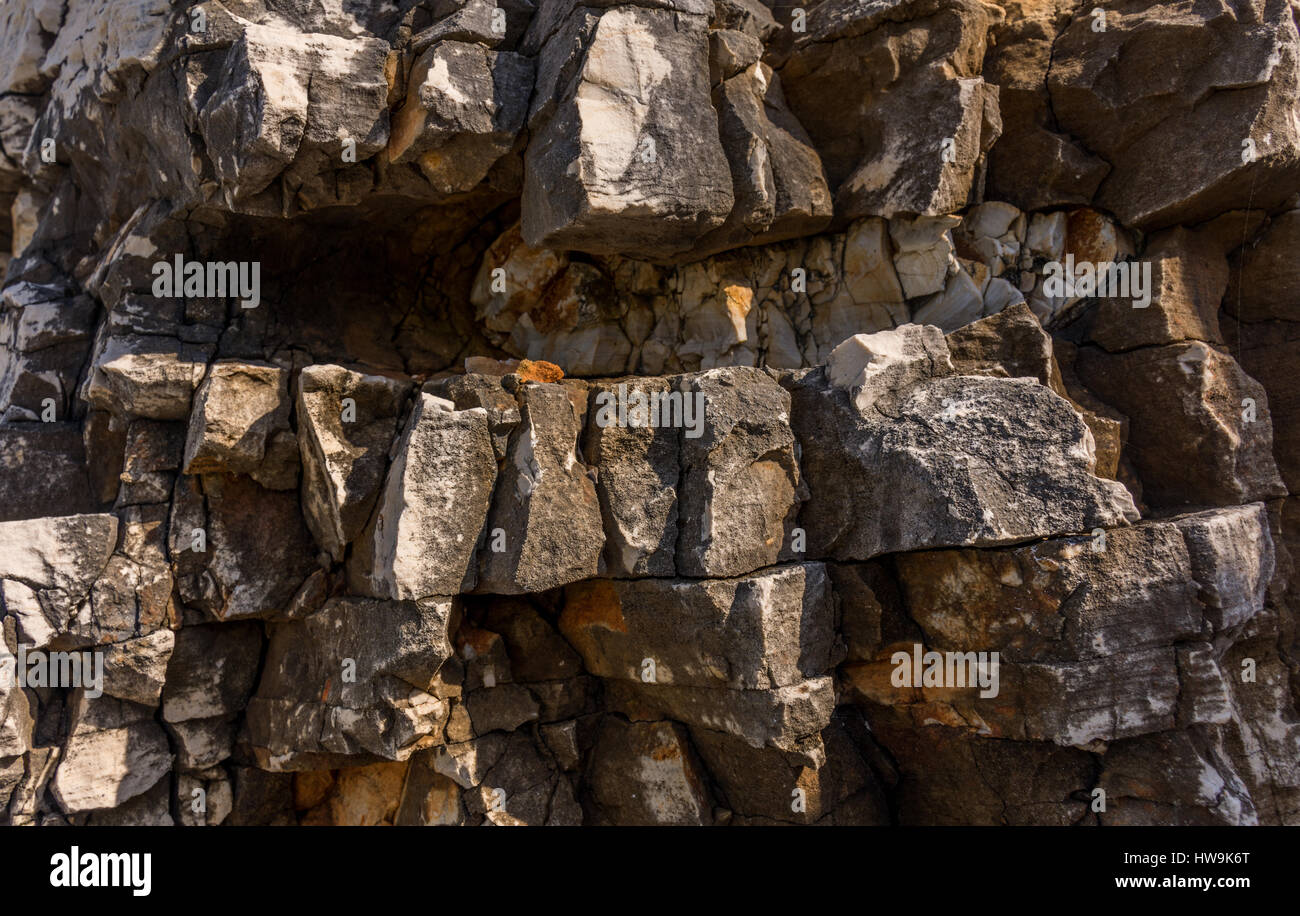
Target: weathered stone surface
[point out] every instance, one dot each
(624, 155)
(740, 483)
(238, 550)
(878, 126)
(1188, 277)
(60, 487)
(48, 568)
(1168, 779)
(760, 784)
(871, 366)
(780, 189)
(287, 98)
(507, 600)
(346, 423)
(431, 512)
(237, 410)
(1095, 637)
(1034, 164)
(785, 718)
(957, 460)
(136, 670)
(545, 505)
(146, 377)
(115, 753)
(1264, 281)
(1010, 344)
(1232, 557)
(771, 629)
(211, 672)
(638, 473)
(465, 104)
(314, 707)
(1159, 81)
(1188, 437)
(645, 774)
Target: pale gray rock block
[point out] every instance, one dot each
(908, 75)
(1232, 561)
(286, 94)
(769, 629)
(48, 567)
(346, 425)
(104, 767)
(956, 461)
(624, 155)
(237, 410)
(637, 477)
(741, 486)
(870, 367)
(146, 377)
(545, 505)
(350, 685)
(465, 106)
(430, 514)
(136, 670)
(211, 672)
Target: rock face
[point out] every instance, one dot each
(691, 412)
(618, 161)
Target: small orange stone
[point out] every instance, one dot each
(538, 371)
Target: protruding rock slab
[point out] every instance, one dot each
(545, 527)
(624, 156)
(740, 487)
(427, 525)
(955, 461)
(346, 423)
(350, 684)
(769, 629)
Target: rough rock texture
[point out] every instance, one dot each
(693, 412)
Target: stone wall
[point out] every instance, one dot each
(671, 412)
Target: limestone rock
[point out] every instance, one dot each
(350, 683)
(767, 630)
(545, 506)
(1143, 128)
(1188, 437)
(153, 378)
(645, 773)
(958, 460)
(637, 477)
(346, 423)
(110, 761)
(434, 503)
(785, 718)
(237, 410)
(238, 550)
(48, 568)
(879, 127)
(624, 155)
(871, 366)
(465, 105)
(740, 483)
